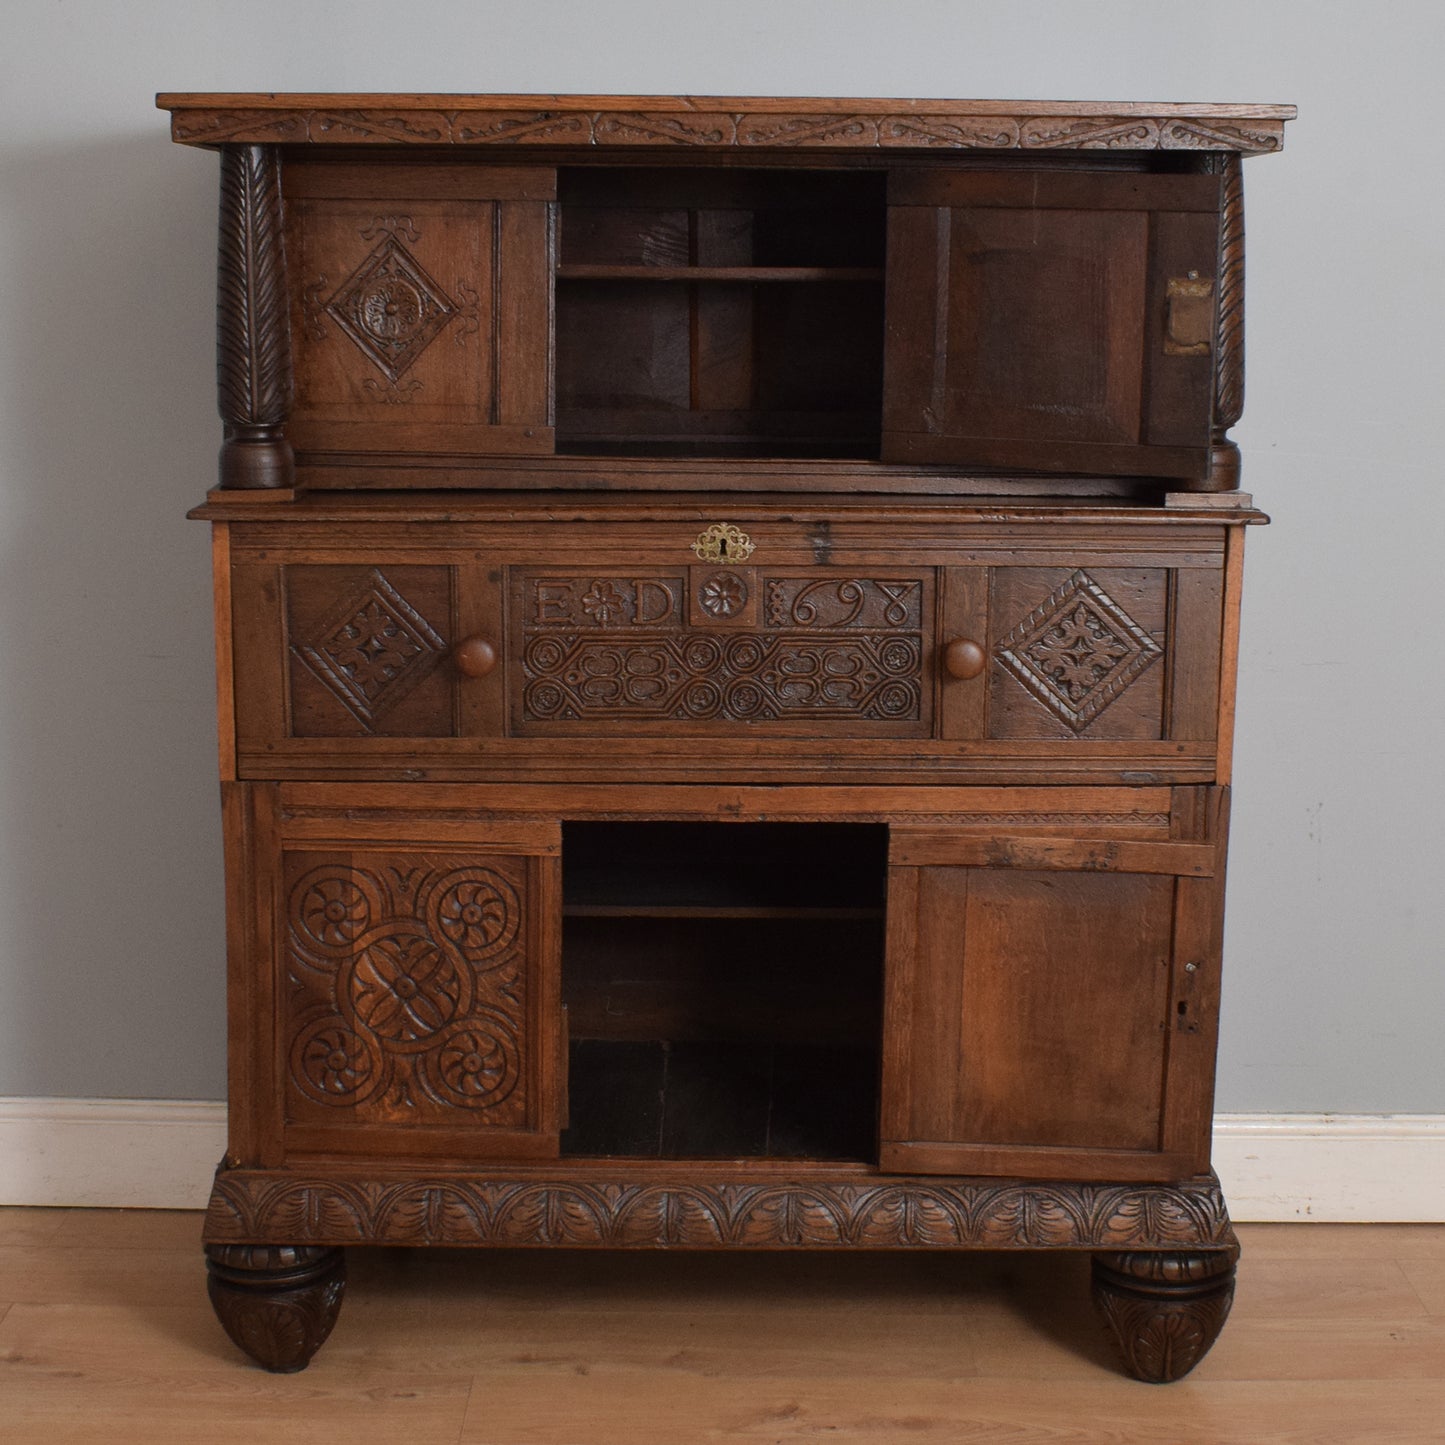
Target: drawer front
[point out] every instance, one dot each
(786, 652)
(1075, 655)
(449, 651)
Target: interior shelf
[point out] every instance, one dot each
(723, 986)
(578, 271)
(719, 312)
(713, 910)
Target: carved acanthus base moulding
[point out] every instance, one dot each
(622, 1211)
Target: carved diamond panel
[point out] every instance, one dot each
(371, 649)
(391, 308)
(406, 988)
(1077, 651)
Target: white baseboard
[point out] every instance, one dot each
(1344, 1168)
(159, 1154)
(110, 1153)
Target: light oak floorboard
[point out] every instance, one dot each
(33, 1226)
(1427, 1278)
(1337, 1338)
(1342, 1241)
(638, 1408)
(130, 1229)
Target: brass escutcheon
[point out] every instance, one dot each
(724, 542)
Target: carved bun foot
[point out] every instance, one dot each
(277, 1302)
(1164, 1310)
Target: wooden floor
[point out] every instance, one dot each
(1338, 1334)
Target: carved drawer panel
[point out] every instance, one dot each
(1077, 655)
(366, 651)
(531, 652)
(719, 648)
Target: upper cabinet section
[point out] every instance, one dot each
(736, 294)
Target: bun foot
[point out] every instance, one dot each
(1164, 1310)
(277, 1302)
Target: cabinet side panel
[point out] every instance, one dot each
(225, 658)
(248, 814)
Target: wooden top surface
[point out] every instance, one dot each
(707, 122)
(499, 506)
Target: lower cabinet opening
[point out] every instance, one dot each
(723, 985)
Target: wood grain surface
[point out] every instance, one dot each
(1337, 1337)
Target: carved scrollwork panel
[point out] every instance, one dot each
(761, 649)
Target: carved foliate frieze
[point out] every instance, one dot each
(625, 1212)
(1077, 651)
(406, 988)
(613, 648)
(842, 131)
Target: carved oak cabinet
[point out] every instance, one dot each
(726, 615)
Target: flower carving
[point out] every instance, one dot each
(332, 907)
(724, 594)
(333, 1063)
(1077, 651)
(477, 1067)
(605, 603)
(476, 911)
(405, 989)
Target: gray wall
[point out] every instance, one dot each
(110, 896)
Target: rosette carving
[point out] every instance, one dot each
(407, 988)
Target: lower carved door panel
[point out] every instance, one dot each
(410, 967)
(1051, 1007)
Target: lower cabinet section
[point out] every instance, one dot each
(717, 1018)
(997, 984)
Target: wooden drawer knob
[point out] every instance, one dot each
(963, 658)
(474, 656)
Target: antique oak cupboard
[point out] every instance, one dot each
(726, 614)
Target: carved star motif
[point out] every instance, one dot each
(1077, 651)
(371, 649)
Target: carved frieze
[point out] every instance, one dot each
(623, 1212)
(405, 988)
(691, 126)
